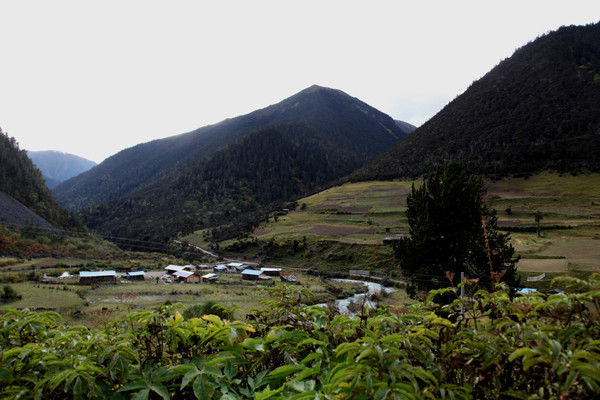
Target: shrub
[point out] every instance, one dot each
(486, 346)
(9, 294)
(208, 308)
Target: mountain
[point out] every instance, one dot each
(333, 114)
(23, 183)
(405, 126)
(57, 167)
(235, 187)
(537, 110)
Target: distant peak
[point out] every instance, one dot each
(321, 89)
(316, 87)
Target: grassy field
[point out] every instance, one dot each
(23, 269)
(343, 227)
(36, 295)
(96, 305)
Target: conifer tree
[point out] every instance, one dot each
(446, 233)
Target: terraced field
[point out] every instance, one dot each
(362, 214)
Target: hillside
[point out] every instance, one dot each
(405, 126)
(343, 226)
(236, 186)
(335, 115)
(536, 110)
(22, 181)
(13, 213)
(57, 167)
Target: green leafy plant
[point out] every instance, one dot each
(209, 307)
(484, 345)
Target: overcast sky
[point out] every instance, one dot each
(92, 78)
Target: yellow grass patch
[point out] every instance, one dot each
(544, 265)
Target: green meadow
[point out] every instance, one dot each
(95, 305)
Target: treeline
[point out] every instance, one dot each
(21, 180)
(536, 110)
(237, 187)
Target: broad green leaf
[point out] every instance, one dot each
(284, 371)
(522, 352)
(160, 390)
(142, 395)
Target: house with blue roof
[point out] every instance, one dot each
(221, 268)
(253, 275)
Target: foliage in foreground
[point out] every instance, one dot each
(528, 347)
(208, 308)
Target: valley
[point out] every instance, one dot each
(344, 227)
(315, 248)
(97, 305)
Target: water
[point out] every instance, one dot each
(372, 287)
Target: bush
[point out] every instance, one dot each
(208, 308)
(484, 346)
(9, 294)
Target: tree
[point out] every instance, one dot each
(446, 233)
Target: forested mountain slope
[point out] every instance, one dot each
(57, 167)
(538, 109)
(332, 113)
(22, 181)
(236, 186)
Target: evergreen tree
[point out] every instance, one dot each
(446, 233)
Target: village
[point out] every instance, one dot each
(94, 295)
(184, 274)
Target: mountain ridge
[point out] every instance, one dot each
(58, 166)
(330, 111)
(535, 110)
(237, 186)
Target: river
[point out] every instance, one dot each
(372, 287)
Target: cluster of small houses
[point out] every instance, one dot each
(189, 274)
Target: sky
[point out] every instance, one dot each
(95, 77)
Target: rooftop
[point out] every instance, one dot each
(251, 272)
(183, 274)
(136, 273)
(235, 264)
(527, 291)
(89, 274)
(174, 267)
